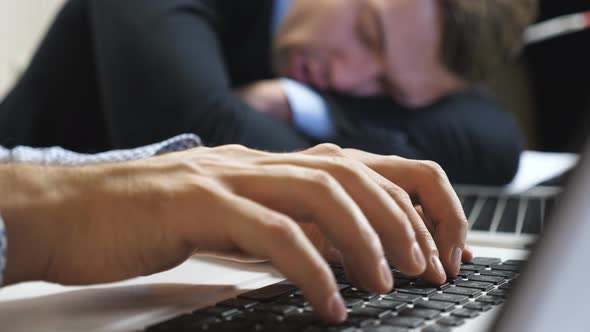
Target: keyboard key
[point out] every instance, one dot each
(298, 301)
(462, 291)
(507, 286)
(418, 291)
(259, 317)
(506, 267)
(452, 298)
(232, 325)
(409, 322)
(465, 274)
(468, 202)
(437, 328)
(358, 294)
(217, 311)
(302, 319)
(421, 283)
(485, 261)
(241, 304)
(330, 329)
(427, 314)
(533, 217)
(371, 312)
(509, 217)
(190, 321)
(474, 268)
(453, 280)
(435, 305)
(494, 300)
(490, 279)
(352, 302)
(486, 215)
(496, 273)
(269, 292)
(484, 286)
(499, 293)
(385, 328)
(275, 308)
(400, 283)
(451, 321)
(279, 327)
(465, 313)
(387, 304)
(479, 306)
(359, 321)
(403, 297)
(515, 262)
(342, 287)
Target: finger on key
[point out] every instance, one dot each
(431, 187)
(264, 233)
(433, 271)
(427, 182)
(385, 216)
(314, 194)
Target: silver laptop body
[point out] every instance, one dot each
(553, 294)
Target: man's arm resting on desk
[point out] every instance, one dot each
(293, 103)
(107, 222)
(459, 132)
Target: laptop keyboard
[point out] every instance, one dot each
(414, 305)
(491, 210)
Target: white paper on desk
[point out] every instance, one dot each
(537, 167)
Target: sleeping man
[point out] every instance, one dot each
(395, 77)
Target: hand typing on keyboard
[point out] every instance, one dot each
(111, 222)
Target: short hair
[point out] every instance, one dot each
(480, 35)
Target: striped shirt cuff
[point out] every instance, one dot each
(57, 156)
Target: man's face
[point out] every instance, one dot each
(366, 48)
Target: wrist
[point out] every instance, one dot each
(267, 97)
(30, 197)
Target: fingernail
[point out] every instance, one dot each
(418, 256)
(386, 278)
(456, 257)
(437, 265)
(337, 307)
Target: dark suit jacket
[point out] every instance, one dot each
(117, 74)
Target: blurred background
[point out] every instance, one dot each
(548, 87)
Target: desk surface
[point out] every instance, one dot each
(135, 304)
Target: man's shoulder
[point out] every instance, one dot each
(472, 100)
(469, 105)
(245, 34)
(235, 9)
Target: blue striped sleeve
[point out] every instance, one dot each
(311, 114)
(60, 157)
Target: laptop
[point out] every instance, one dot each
(513, 216)
(547, 292)
(498, 218)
